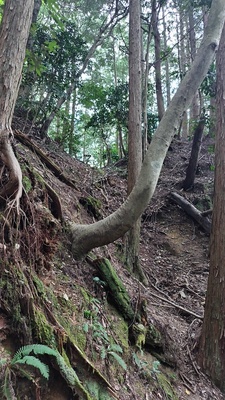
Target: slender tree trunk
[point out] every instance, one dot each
(16, 15)
(145, 91)
(181, 37)
(86, 237)
(195, 109)
(195, 151)
(212, 343)
(165, 45)
(25, 91)
(134, 129)
(158, 75)
(72, 123)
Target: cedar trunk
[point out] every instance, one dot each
(134, 129)
(14, 33)
(212, 343)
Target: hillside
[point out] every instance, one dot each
(73, 297)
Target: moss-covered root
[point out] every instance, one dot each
(117, 291)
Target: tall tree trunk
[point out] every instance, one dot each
(182, 56)
(158, 75)
(195, 109)
(72, 123)
(165, 46)
(134, 129)
(25, 90)
(212, 344)
(16, 15)
(145, 91)
(86, 237)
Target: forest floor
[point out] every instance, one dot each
(174, 255)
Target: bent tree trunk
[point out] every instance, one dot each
(14, 33)
(86, 237)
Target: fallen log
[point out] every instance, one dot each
(203, 221)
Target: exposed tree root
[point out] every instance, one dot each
(44, 158)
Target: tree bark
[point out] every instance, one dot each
(195, 108)
(145, 91)
(14, 33)
(212, 343)
(86, 237)
(195, 151)
(158, 77)
(134, 129)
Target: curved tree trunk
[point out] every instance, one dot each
(17, 15)
(86, 237)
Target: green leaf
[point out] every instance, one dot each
(103, 353)
(85, 328)
(36, 363)
(115, 347)
(36, 349)
(120, 361)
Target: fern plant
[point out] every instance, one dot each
(22, 357)
(27, 355)
(100, 336)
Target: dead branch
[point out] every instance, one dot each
(192, 211)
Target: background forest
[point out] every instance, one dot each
(75, 77)
(104, 294)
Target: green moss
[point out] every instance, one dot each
(41, 290)
(117, 291)
(92, 205)
(43, 331)
(80, 336)
(120, 329)
(140, 335)
(85, 295)
(98, 392)
(26, 183)
(153, 336)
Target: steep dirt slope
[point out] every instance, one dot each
(174, 255)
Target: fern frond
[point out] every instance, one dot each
(115, 347)
(36, 363)
(36, 349)
(119, 359)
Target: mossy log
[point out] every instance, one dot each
(117, 291)
(122, 301)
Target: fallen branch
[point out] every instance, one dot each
(177, 306)
(192, 211)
